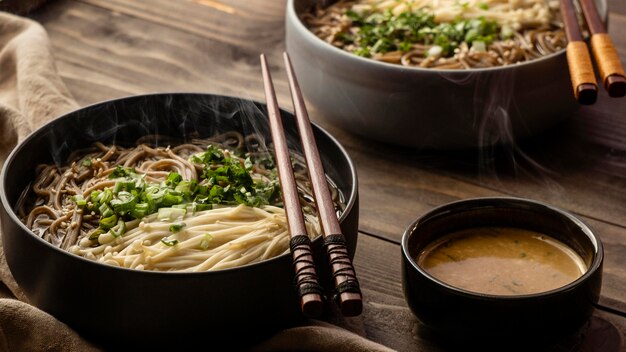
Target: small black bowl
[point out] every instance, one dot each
(453, 314)
(120, 307)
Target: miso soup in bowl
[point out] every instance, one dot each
(499, 269)
(501, 261)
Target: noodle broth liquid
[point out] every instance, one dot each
(501, 261)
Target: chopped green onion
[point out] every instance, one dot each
(154, 194)
(171, 214)
(248, 164)
(105, 210)
(94, 196)
(124, 203)
(95, 234)
(121, 171)
(121, 229)
(79, 200)
(87, 162)
(386, 31)
(123, 185)
(173, 179)
(202, 206)
(177, 227)
(204, 244)
(108, 222)
(140, 210)
(434, 51)
(479, 46)
(186, 188)
(168, 242)
(224, 180)
(171, 197)
(104, 196)
(506, 32)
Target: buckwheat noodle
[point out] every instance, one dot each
(223, 237)
(534, 30)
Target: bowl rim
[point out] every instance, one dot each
(4, 203)
(594, 266)
(293, 17)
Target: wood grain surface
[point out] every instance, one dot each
(112, 48)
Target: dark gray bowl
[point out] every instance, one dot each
(428, 108)
(454, 314)
(115, 306)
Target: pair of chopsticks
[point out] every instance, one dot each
(347, 291)
(604, 53)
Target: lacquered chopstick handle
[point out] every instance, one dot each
(347, 290)
(604, 53)
(581, 73)
(609, 65)
(307, 282)
(578, 59)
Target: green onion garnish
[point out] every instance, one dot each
(176, 227)
(168, 242)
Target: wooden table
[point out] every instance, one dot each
(112, 48)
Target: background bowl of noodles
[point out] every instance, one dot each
(114, 296)
(450, 103)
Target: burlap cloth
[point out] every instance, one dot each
(31, 93)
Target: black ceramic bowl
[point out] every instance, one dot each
(460, 315)
(117, 306)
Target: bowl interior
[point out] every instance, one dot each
(299, 7)
(170, 118)
(505, 212)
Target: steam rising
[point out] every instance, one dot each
(492, 118)
(172, 118)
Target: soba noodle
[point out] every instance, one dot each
(193, 207)
(444, 34)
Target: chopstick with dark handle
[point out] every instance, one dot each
(604, 53)
(347, 288)
(578, 59)
(307, 282)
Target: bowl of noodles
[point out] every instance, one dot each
(433, 74)
(157, 220)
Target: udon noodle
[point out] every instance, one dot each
(192, 207)
(443, 34)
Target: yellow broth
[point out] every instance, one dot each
(501, 261)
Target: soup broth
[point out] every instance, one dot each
(501, 261)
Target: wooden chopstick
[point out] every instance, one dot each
(578, 59)
(604, 53)
(347, 288)
(307, 283)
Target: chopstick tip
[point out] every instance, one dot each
(352, 305)
(616, 85)
(587, 93)
(312, 305)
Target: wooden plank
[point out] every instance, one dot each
(211, 19)
(103, 55)
(617, 7)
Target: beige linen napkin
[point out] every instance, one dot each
(31, 93)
